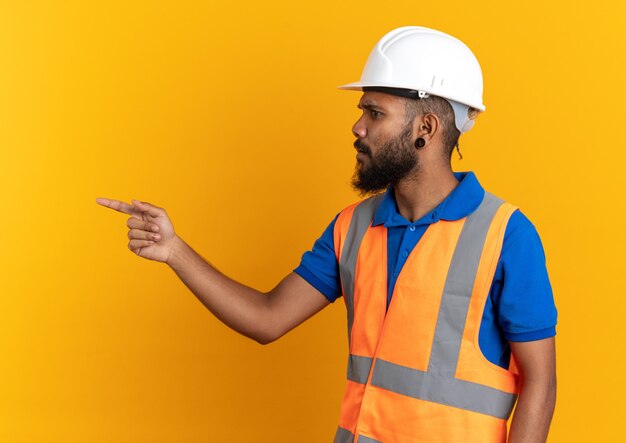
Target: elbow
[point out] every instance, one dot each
(267, 334)
(263, 339)
(271, 324)
(267, 338)
(552, 389)
(270, 333)
(268, 328)
(543, 390)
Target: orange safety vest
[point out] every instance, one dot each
(415, 371)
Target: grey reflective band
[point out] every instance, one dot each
(361, 220)
(441, 388)
(459, 284)
(359, 368)
(364, 439)
(438, 383)
(344, 436)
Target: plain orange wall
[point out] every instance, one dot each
(227, 114)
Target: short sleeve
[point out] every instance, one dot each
(525, 302)
(319, 266)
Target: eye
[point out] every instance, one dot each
(376, 113)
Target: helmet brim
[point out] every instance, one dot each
(358, 86)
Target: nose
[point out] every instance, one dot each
(358, 129)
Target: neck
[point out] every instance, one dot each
(421, 193)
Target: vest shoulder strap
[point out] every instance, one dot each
(350, 228)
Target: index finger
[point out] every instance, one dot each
(119, 206)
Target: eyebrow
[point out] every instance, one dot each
(368, 105)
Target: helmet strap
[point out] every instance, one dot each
(457, 150)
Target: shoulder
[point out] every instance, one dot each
(520, 231)
(371, 201)
(357, 215)
(518, 225)
(363, 209)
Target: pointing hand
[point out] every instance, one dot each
(151, 232)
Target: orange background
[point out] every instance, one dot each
(227, 115)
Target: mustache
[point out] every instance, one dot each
(362, 147)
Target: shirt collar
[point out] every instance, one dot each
(462, 201)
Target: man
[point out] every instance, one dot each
(451, 319)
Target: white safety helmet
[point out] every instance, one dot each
(425, 61)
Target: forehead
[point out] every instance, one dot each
(375, 99)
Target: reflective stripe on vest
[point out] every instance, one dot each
(361, 219)
(438, 384)
(432, 386)
(344, 436)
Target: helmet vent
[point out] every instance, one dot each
(393, 38)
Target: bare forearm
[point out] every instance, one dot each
(240, 307)
(533, 413)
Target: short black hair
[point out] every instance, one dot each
(443, 109)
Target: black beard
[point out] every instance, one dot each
(394, 161)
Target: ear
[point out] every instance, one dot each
(427, 126)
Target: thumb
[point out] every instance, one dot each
(147, 207)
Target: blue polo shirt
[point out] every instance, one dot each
(520, 306)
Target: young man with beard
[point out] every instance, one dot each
(451, 318)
